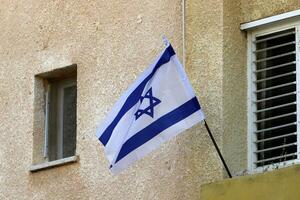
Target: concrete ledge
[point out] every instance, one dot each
(55, 163)
(281, 184)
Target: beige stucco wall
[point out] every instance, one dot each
(203, 61)
(234, 88)
(256, 9)
(112, 42)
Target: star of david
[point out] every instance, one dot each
(149, 110)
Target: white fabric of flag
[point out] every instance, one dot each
(160, 104)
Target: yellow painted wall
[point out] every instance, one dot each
(276, 185)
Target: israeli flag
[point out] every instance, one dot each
(159, 105)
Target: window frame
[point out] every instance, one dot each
(251, 35)
(55, 108)
(42, 100)
(61, 85)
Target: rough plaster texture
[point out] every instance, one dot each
(204, 62)
(234, 74)
(216, 63)
(256, 9)
(112, 42)
(234, 88)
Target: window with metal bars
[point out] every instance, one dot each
(273, 98)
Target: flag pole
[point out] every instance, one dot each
(217, 148)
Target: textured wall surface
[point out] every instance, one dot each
(234, 88)
(204, 61)
(256, 9)
(111, 42)
(234, 74)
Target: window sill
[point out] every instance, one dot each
(55, 163)
(274, 166)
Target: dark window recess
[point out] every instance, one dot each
(69, 121)
(275, 98)
(62, 119)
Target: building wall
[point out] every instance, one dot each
(256, 9)
(112, 42)
(204, 67)
(235, 73)
(234, 88)
(217, 65)
(275, 185)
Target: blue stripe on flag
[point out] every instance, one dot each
(134, 97)
(158, 126)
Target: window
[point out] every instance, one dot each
(55, 117)
(61, 110)
(273, 94)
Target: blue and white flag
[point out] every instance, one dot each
(160, 104)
